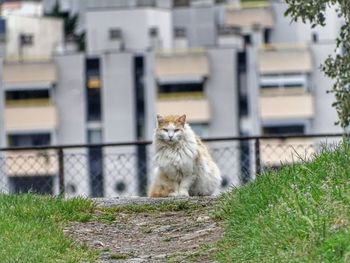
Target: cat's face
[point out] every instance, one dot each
(170, 128)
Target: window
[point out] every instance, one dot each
(153, 32)
(36, 184)
(115, 34)
(29, 140)
(285, 85)
(95, 136)
(267, 34)
(284, 129)
(26, 39)
(26, 97)
(181, 3)
(247, 40)
(180, 32)
(181, 87)
(2, 30)
(93, 86)
(95, 163)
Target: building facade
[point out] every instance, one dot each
(233, 68)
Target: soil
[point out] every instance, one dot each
(152, 236)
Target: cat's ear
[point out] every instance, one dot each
(182, 119)
(160, 119)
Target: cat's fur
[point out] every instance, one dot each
(183, 164)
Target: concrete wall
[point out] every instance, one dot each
(200, 24)
(222, 90)
(47, 36)
(2, 109)
(135, 25)
(118, 97)
(150, 95)
(325, 114)
(119, 125)
(70, 101)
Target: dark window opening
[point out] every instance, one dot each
(180, 32)
(140, 107)
(94, 110)
(35, 184)
(96, 163)
(284, 129)
(243, 106)
(242, 61)
(267, 34)
(29, 140)
(245, 160)
(153, 32)
(26, 39)
(247, 40)
(115, 34)
(94, 104)
(181, 87)
(181, 3)
(285, 85)
(27, 94)
(314, 37)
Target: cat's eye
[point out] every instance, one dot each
(176, 130)
(166, 130)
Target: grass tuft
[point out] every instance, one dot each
(298, 214)
(31, 229)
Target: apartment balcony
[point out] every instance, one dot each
(291, 103)
(284, 59)
(29, 74)
(274, 152)
(196, 109)
(181, 66)
(30, 163)
(23, 118)
(249, 16)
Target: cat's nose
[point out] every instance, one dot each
(170, 137)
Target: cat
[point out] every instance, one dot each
(184, 166)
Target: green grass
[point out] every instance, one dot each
(31, 229)
(298, 214)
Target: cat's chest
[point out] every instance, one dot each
(176, 159)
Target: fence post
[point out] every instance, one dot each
(60, 172)
(257, 156)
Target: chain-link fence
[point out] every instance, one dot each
(125, 169)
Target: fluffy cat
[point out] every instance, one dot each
(183, 164)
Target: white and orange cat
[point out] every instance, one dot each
(184, 166)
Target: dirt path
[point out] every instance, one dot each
(176, 231)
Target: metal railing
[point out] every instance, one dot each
(125, 169)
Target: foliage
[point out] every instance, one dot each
(337, 66)
(70, 25)
(298, 214)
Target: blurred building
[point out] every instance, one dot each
(234, 69)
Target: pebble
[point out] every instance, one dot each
(98, 243)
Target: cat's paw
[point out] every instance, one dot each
(173, 194)
(183, 193)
